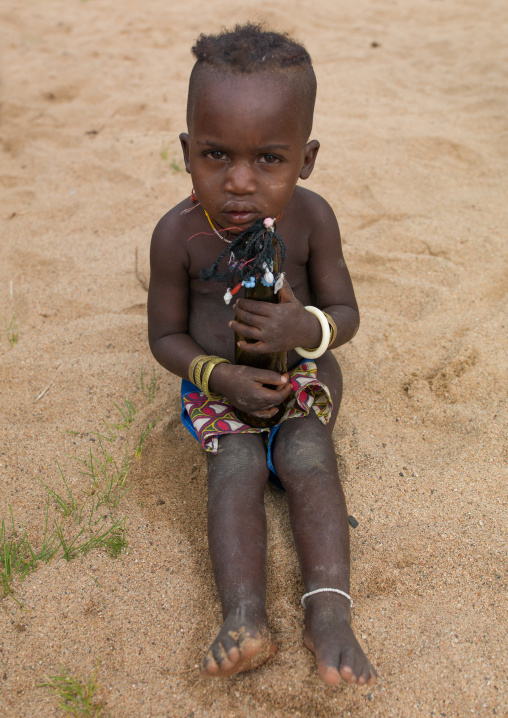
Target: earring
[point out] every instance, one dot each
(195, 203)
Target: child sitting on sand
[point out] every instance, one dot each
(249, 116)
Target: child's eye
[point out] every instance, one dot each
(270, 159)
(216, 154)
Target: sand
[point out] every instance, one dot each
(411, 115)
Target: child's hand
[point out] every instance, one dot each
(275, 327)
(246, 388)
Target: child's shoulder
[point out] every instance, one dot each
(313, 220)
(311, 209)
(175, 225)
(167, 248)
(172, 224)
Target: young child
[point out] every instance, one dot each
(249, 116)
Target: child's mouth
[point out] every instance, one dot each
(241, 216)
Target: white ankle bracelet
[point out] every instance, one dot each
(329, 590)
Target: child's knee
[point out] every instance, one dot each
(305, 454)
(239, 463)
(306, 466)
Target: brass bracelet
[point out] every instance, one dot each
(198, 370)
(214, 361)
(192, 367)
(333, 329)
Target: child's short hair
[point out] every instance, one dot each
(249, 49)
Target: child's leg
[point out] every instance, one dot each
(304, 459)
(237, 477)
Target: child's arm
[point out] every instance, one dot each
(168, 297)
(284, 326)
(174, 348)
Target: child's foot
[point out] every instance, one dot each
(329, 636)
(243, 643)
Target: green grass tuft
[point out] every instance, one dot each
(81, 524)
(65, 506)
(150, 389)
(10, 330)
(76, 697)
(18, 556)
(176, 166)
(164, 153)
(111, 539)
(127, 415)
(144, 434)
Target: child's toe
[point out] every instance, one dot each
(329, 674)
(372, 676)
(234, 654)
(347, 674)
(209, 665)
(222, 657)
(230, 647)
(364, 676)
(362, 680)
(349, 669)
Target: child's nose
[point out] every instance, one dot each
(241, 179)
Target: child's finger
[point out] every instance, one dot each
(275, 396)
(242, 315)
(258, 347)
(251, 305)
(245, 330)
(268, 377)
(283, 386)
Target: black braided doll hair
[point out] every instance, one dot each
(248, 49)
(253, 250)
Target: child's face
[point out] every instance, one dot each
(246, 147)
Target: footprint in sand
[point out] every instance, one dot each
(442, 382)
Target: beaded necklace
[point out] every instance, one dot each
(228, 241)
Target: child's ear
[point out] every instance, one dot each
(184, 139)
(311, 150)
